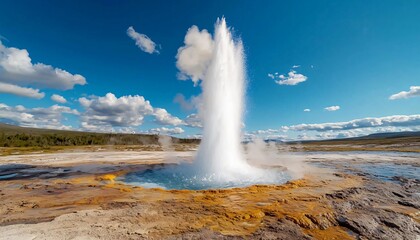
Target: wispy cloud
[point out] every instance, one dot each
(413, 92)
(292, 78)
(332, 108)
(306, 110)
(20, 91)
(58, 98)
(142, 41)
(353, 128)
(188, 104)
(164, 130)
(394, 121)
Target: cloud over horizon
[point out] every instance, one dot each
(164, 118)
(332, 130)
(164, 130)
(389, 121)
(39, 117)
(109, 111)
(193, 120)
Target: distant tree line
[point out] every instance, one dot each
(80, 139)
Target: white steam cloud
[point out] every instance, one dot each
(193, 58)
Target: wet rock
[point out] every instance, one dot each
(280, 229)
(361, 224)
(409, 204)
(398, 194)
(343, 194)
(360, 211)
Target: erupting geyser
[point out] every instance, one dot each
(221, 161)
(223, 87)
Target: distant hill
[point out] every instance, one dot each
(390, 135)
(395, 141)
(374, 136)
(15, 136)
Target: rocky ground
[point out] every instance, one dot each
(78, 196)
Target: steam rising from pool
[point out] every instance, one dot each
(221, 160)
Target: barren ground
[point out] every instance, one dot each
(76, 195)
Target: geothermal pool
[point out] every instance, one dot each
(220, 160)
(184, 177)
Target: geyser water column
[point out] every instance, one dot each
(220, 162)
(220, 151)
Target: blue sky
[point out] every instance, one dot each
(353, 54)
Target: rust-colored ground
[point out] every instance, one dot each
(233, 212)
(322, 205)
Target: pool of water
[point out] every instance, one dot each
(387, 171)
(184, 176)
(382, 171)
(8, 176)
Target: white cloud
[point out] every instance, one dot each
(353, 128)
(363, 132)
(268, 131)
(142, 41)
(111, 114)
(164, 130)
(293, 78)
(109, 111)
(193, 120)
(389, 121)
(305, 137)
(332, 108)
(16, 68)
(194, 136)
(50, 117)
(414, 92)
(194, 58)
(163, 117)
(295, 66)
(20, 91)
(306, 110)
(58, 98)
(268, 134)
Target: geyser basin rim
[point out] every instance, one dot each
(185, 177)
